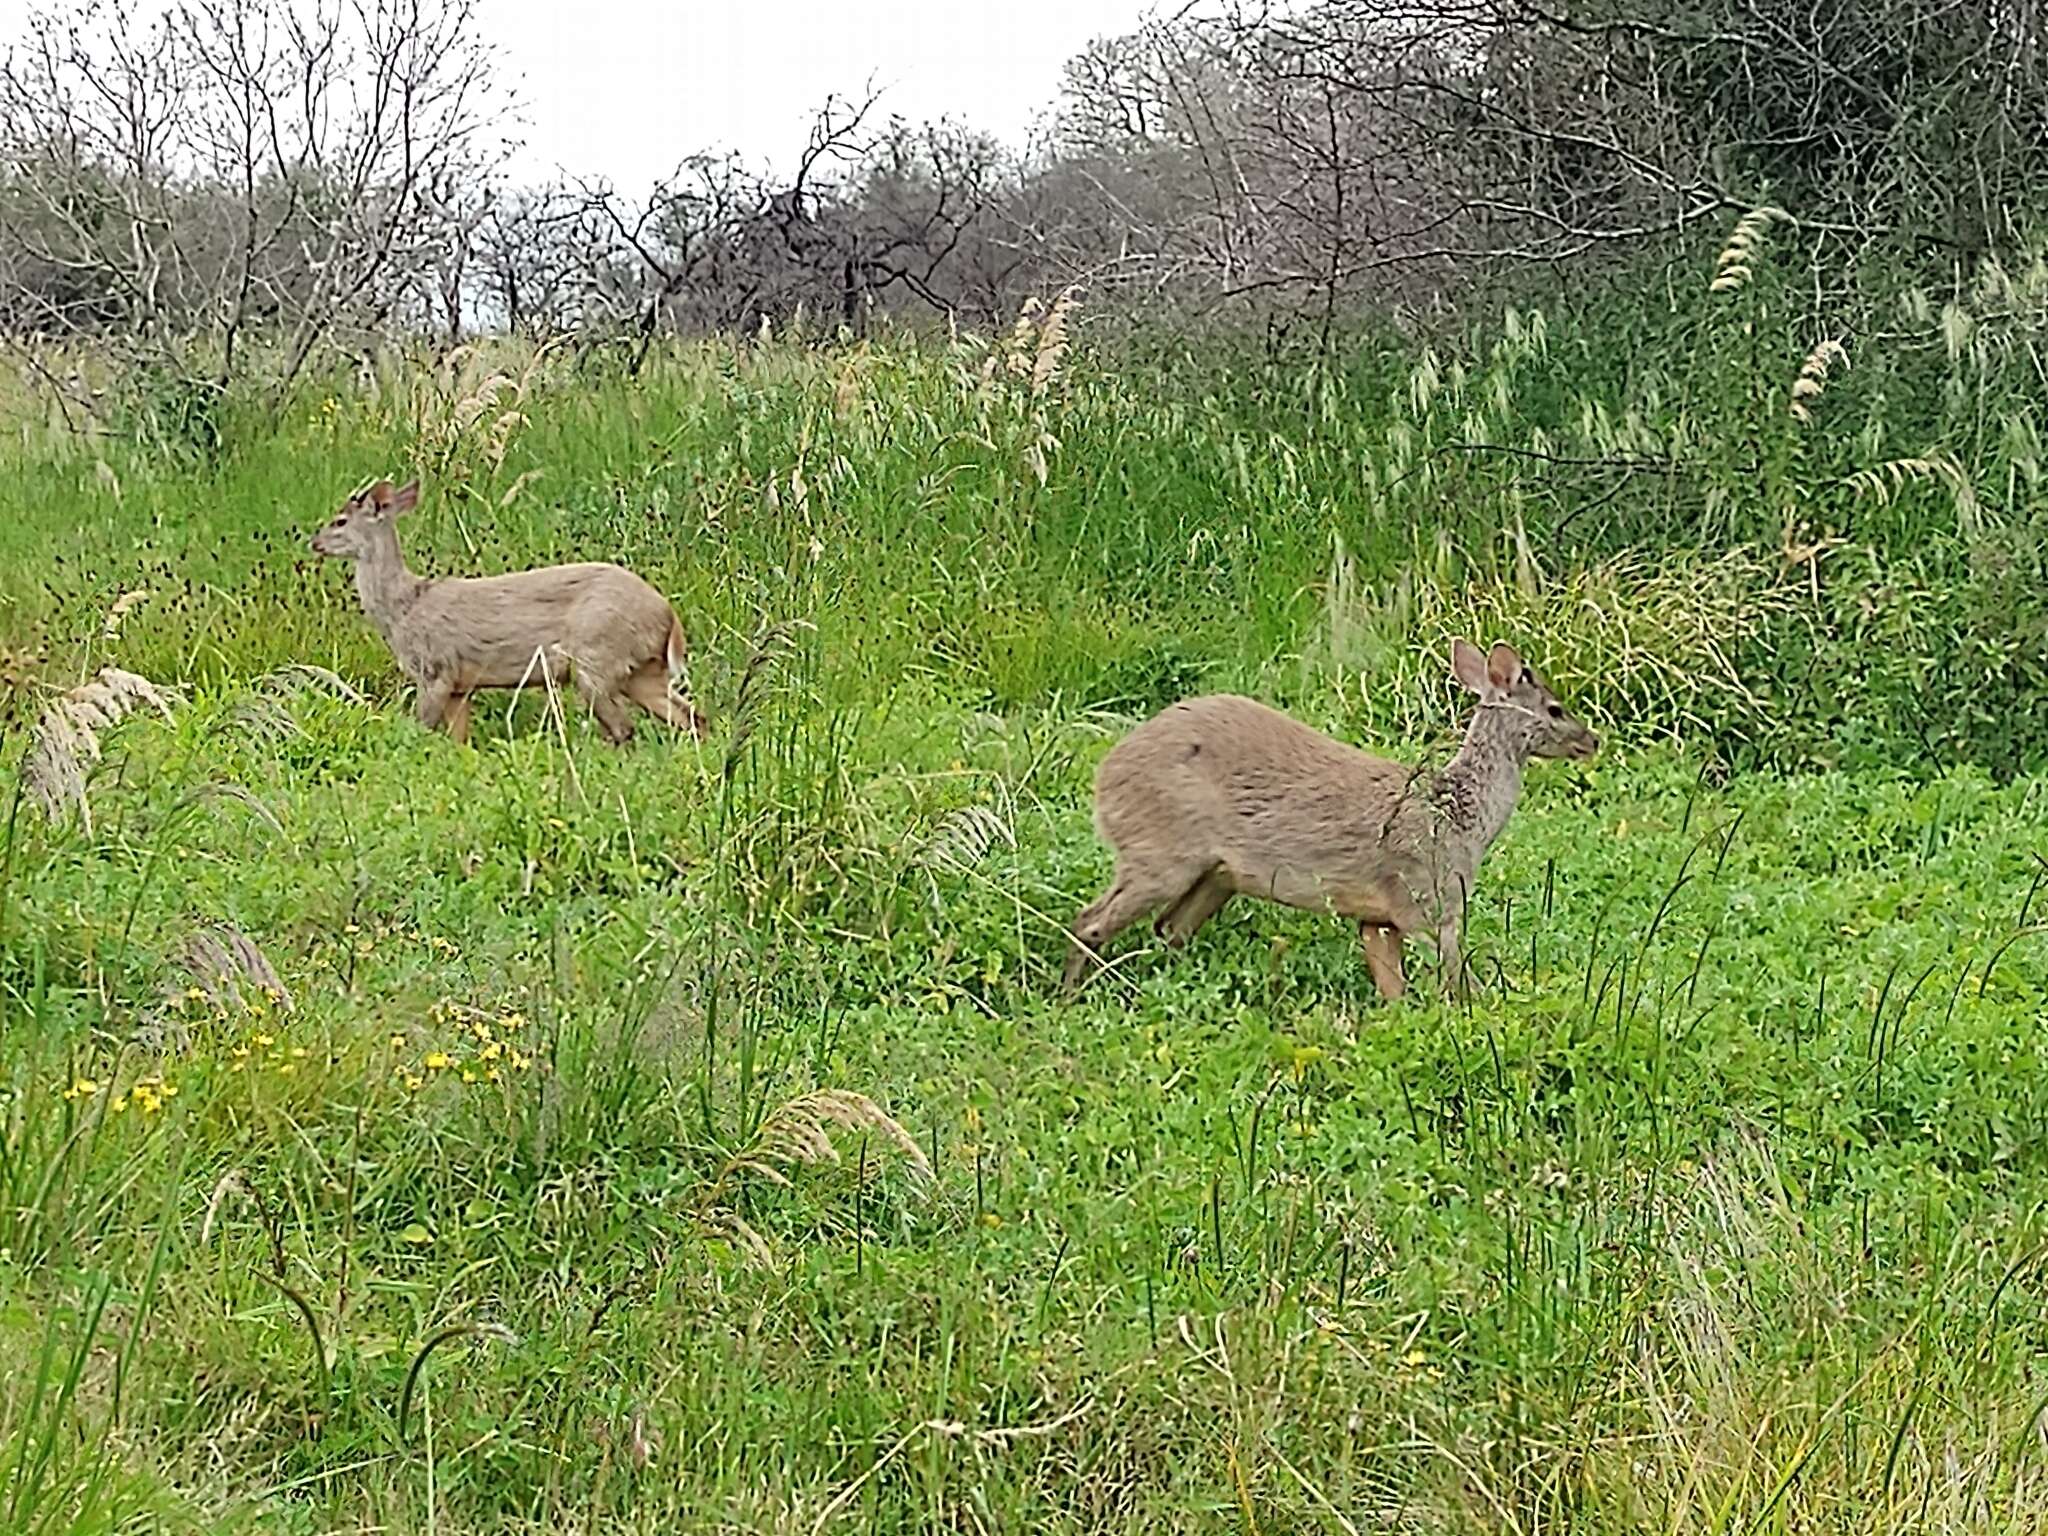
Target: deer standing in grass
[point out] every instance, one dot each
(599, 623)
(1220, 796)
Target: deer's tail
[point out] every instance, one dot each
(677, 651)
(676, 655)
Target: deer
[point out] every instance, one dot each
(1221, 796)
(598, 623)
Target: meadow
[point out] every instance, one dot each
(534, 1136)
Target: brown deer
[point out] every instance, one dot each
(1220, 796)
(599, 623)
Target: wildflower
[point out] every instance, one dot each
(491, 1051)
(468, 1076)
(414, 1081)
(398, 1042)
(148, 1095)
(439, 1061)
(521, 1060)
(83, 1088)
(240, 1052)
(266, 1041)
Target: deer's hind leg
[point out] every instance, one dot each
(602, 697)
(1136, 890)
(648, 687)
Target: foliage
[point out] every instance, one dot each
(536, 1135)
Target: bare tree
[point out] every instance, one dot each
(296, 167)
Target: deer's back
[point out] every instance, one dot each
(486, 629)
(1282, 809)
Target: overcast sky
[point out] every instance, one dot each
(626, 88)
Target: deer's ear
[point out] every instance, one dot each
(1468, 666)
(1503, 666)
(399, 502)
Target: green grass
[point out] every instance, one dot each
(1718, 1209)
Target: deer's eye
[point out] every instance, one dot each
(1557, 711)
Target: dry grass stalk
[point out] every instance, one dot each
(296, 676)
(1736, 264)
(1053, 340)
(66, 742)
(775, 642)
(963, 838)
(220, 960)
(1885, 482)
(1813, 378)
(796, 1135)
(122, 606)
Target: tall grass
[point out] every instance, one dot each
(1020, 522)
(683, 1137)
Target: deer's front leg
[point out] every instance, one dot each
(457, 718)
(1383, 954)
(435, 692)
(1450, 954)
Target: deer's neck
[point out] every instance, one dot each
(386, 587)
(1477, 790)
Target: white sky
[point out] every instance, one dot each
(626, 88)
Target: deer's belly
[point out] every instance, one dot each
(1346, 893)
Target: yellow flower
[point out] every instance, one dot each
(398, 1042)
(492, 1051)
(264, 1040)
(439, 1061)
(120, 1104)
(83, 1088)
(240, 1051)
(468, 1076)
(415, 1082)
